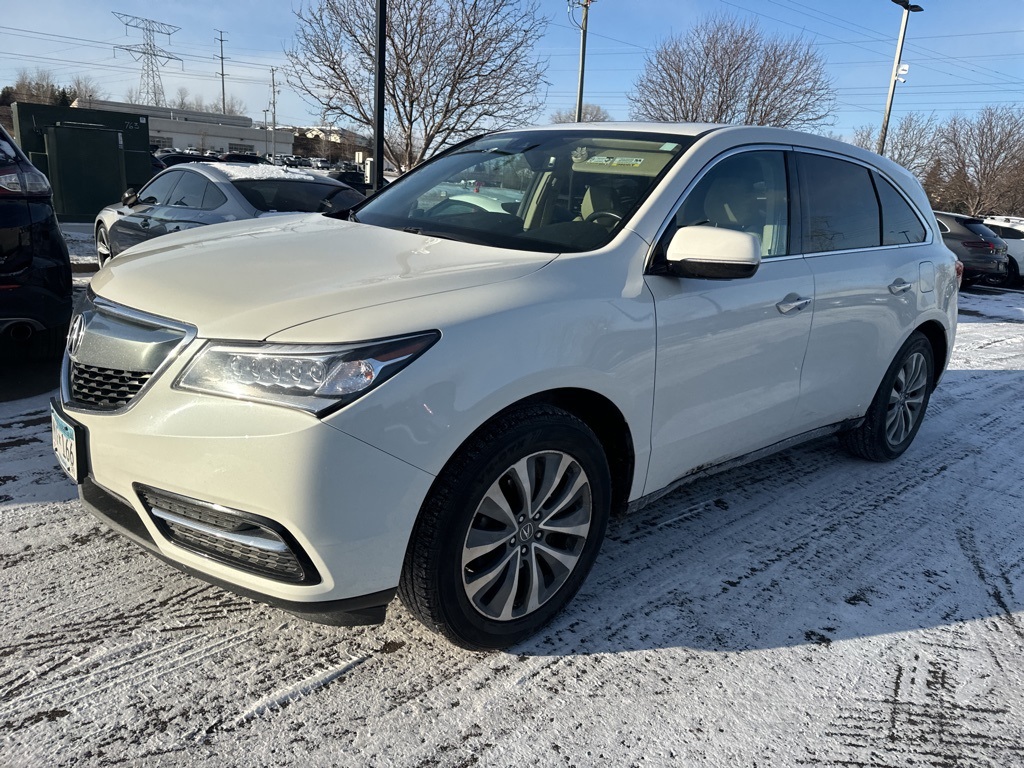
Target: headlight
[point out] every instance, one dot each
(314, 378)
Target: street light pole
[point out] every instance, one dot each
(378, 96)
(266, 136)
(908, 8)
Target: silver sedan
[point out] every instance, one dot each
(197, 194)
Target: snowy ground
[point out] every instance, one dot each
(808, 610)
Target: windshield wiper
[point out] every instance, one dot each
(456, 236)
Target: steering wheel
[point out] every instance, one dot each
(593, 216)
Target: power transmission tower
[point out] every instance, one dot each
(151, 88)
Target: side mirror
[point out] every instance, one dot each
(712, 253)
(130, 197)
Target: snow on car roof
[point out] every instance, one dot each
(239, 171)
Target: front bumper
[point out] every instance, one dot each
(345, 508)
(122, 517)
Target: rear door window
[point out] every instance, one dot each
(840, 208)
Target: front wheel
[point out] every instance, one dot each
(102, 244)
(510, 530)
(896, 412)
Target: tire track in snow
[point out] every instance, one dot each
(89, 679)
(928, 716)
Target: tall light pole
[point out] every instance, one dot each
(585, 4)
(378, 96)
(908, 8)
(266, 136)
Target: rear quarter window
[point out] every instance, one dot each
(900, 225)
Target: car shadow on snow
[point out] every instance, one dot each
(811, 546)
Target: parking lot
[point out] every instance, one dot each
(810, 609)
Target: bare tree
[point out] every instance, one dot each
(454, 68)
(912, 142)
(983, 162)
(183, 99)
(592, 113)
(85, 87)
(37, 88)
(729, 71)
(42, 88)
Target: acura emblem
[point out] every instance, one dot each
(75, 336)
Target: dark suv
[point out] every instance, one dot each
(981, 250)
(35, 271)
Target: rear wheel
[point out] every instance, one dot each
(1012, 279)
(510, 530)
(896, 412)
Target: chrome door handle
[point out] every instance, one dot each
(792, 303)
(899, 285)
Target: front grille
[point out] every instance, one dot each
(238, 539)
(105, 388)
(115, 353)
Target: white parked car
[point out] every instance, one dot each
(324, 411)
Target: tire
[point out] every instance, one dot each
(488, 565)
(899, 405)
(1012, 279)
(102, 245)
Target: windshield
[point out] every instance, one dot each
(549, 191)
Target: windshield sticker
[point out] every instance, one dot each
(629, 162)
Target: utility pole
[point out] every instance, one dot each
(585, 4)
(266, 138)
(908, 8)
(223, 93)
(273, 109)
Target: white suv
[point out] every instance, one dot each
(448, 401)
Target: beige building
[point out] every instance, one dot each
(185, 129)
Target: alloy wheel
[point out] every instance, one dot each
(527, 535)
(907, 399)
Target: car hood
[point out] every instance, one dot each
(249, 280)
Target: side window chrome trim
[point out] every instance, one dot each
(649, 259)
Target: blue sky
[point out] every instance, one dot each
(963, 54)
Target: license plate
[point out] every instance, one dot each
(68, 444)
